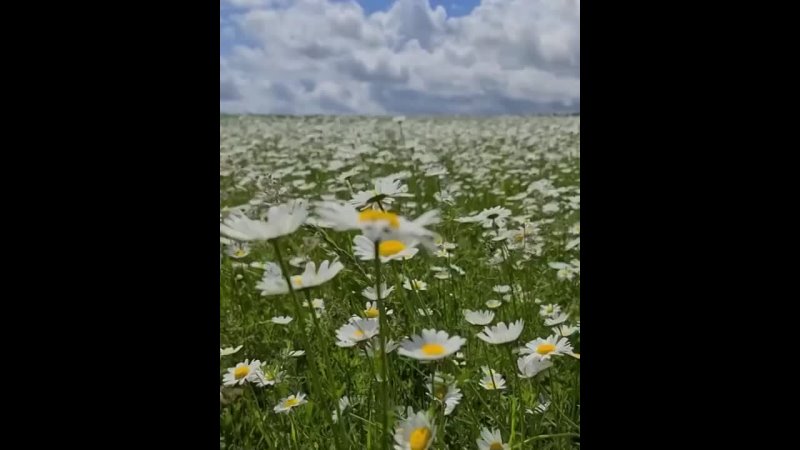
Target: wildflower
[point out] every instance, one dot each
(416, 432)
(272, 285)
(547, 347)
(243, 372)
(415, 285)
(492, 380)
(530, 366)
(502, 333)
(491, 440)
(388, 250)
(445, 391)
(287, 404)
(356, 331)
(228, 351)
(370, 293)
(478, 317)
(431, 345)
(281, 221)
(379, 225)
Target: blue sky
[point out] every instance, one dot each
(453, 7)
(399, 56)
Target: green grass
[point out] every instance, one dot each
(492, 159)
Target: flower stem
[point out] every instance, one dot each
(382, 339)
(301, 322)
(518, 393)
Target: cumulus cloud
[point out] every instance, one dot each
(324, 56)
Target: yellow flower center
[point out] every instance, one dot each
(297, 280)
(239, 253)
(290, 402)
(358, 334)
(433, 349)
(419, 438)
(389, 248)
(241, 372)
(545, 348)
(441, 391)
(372, 215)
(371, 313)
(416, 284)
(496, 446)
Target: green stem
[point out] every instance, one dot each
(301, 321)
(382, 339)
(313, 312)
(517, 391)
(550, 436)
(409, 311)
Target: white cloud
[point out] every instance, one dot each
(321, 56)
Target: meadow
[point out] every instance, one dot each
(399, 283)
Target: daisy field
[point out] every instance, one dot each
(399, 283)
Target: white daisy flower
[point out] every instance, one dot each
(565, 271)
(542, 406)
(491, 440)
(425, 312)
(271, 285)
(478, 317)
(372, 312)
(292, 401)
(416, 432)
(458, 269)
(382, 195)
(344, 403)
(370, 293)
(445, 391)
(502, 289)
(281, 220)
(281, 320)
(373, 347)
(435, 171)
(549, 310)
(502, 333)
(556, 319)
(316, 303)
(388, 250)
(442, 253)
(566, 330)
(431, 345)
(270, 376)
(545, 348)
(379, 225)
(357, 331)
(530, 365)
(238, 250)
(415, 285)
(243, 372)
(489, 217)
(493, 304)
(228, 351)
(550, 208)
(492, 380)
